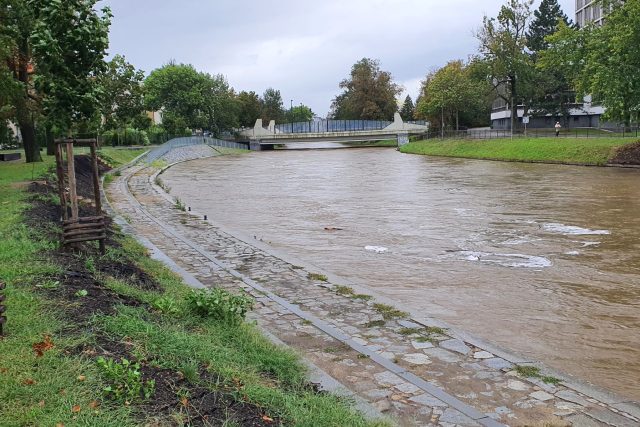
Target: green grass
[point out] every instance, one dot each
(317, 276)
(588, 151)
(389, 312)
(529, 371)
(44, 390)
(119, 156)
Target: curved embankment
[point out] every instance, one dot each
(570, 151)
(410, 370)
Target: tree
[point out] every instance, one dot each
(368, 93)
(407, 110)
(451, 90)
(545, 22)
(552, 94)
(220, 104)
(611, 73)
(54, 51)
(300, 113)
(503, 44)
(121, 97)
(249, 108)
(190, 99)
(272, 106)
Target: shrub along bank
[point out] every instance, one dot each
(581, 151)
(117, 339)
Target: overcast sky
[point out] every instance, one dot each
(302, 48)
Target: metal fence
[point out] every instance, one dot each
(335, 126)
(531, 133)
(189, 141)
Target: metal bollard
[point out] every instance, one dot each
(3, 319)
(205, 217)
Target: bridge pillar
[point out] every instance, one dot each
(254, 145)
(403, 138)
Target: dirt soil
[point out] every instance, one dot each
(203, 407)
(627, 155)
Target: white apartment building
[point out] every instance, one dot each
(588, 11)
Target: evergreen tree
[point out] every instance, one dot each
(407, 110)
(545, 23)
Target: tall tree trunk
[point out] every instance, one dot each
(457, 120)
(23, 115)
(28, 132)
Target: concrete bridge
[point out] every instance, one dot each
(261, 138)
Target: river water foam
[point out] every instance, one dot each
(542, 259)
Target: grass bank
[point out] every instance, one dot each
(583, 151)
(114, 339)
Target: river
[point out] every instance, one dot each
(541, 259)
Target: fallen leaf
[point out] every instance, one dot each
(184, 401)
(41, 347)
(267, 419)
(59, 425)
(41, 404)
(62, 392)
(29, 381)
(94, 404)
(76, 408)
(81, 378)
(4, 370)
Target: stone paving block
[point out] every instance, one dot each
(541, 395)
(417, 358)
(421, 345)
(583, 421)
(444, 355)
(629, 408)
(455, 345)
(482, 355)
(409, 324)
(388, 378)
(428, 400)
(572, 397)
(407, 388)
(610, 418)
(517, 385)
(456, 417)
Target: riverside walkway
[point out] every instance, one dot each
(414, 372)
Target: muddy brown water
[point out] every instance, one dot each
(541, 259)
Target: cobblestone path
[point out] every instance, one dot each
(414, 373)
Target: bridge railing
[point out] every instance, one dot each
(186, 141)
(319, 126)
(331, 126)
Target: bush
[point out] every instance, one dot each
(157, 135)
(125, 378)
(128, 136)
(220, 304)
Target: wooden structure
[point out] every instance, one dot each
(75, 228)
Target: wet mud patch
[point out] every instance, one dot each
(198, 405)
(130, 273)
(627, 155)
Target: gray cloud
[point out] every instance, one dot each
(303, 48)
